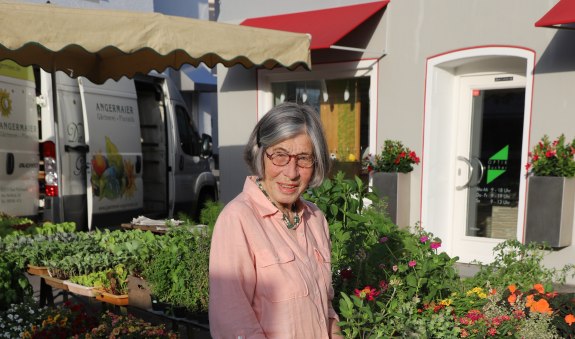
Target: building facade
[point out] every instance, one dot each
(470, 86)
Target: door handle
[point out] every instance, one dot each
(469, 173)
(181, 164)
(79, 148)
(481, 172)
(10, 163)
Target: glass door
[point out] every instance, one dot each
(488, 165)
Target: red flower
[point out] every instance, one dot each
(367, 293)
(435, 245)
(550, 153)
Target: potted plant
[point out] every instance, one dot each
(551, 192)
(390, 178)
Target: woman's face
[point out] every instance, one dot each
(284, 184)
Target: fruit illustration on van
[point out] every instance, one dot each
(99, 163)
(112, 176)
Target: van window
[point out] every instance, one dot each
(189, 139)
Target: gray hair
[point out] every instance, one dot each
(283, 122)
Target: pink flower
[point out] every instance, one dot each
(424, 238)
(383, 239)
(394, 268)
(412, 263)
(435, 245)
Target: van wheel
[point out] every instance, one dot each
(206, 196)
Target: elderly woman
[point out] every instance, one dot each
(270, 274)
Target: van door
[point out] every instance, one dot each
(114, 166)
(190, 166)
(66, 133)
(19, 153)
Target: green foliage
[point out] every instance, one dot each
(394, 157)
(552, 158)
(209, 214)
(342, 202)
(519, 264)
(178, 274)
(9, 224)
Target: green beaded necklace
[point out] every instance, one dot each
(285, 218)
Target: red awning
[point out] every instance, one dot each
(326, 26)
(562, 13)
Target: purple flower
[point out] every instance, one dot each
(435, 245)
(424, 238)
(382, 240)
(412, 263)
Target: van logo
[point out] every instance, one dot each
(5, 103)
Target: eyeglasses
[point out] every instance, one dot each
(282, 159)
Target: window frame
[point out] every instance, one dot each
(355, 69)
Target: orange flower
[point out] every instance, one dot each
(539, 288)
(492, 291)
(512, 288)
(529, 301)
(570, 319)
(512, 298)
(541, 306)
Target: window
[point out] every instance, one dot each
(344, 108)
(189, 139)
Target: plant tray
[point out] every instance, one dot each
(80, 289)
(56, 283)
(37, 270)
(119, 300)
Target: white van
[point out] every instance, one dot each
(115, 151)
(18, 141)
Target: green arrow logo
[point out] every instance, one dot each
(497, 164)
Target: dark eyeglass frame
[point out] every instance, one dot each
(290, 156)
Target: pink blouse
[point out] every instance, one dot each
(267, 281)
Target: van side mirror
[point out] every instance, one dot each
(206, 150)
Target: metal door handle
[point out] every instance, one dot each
(469, 173)
(481, 172)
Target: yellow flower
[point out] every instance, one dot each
(446, 302)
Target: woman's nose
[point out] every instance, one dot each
(291, 170)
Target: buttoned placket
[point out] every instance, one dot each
(306, 253)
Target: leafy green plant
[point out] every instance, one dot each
(209, 214)
(394, 157)
(178, 274)
(520, 264)
(552, 158)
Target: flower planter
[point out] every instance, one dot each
(55, 282)
(119, 300)
(80, 289)
(37, 270)
(394, 188)
(549, 217)
(139, 293)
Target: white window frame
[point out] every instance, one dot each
(356, 69)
